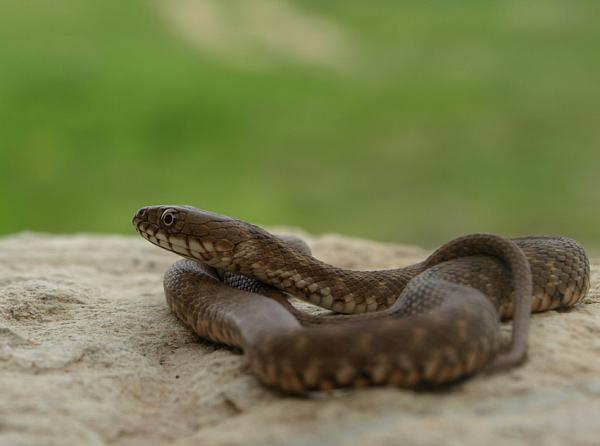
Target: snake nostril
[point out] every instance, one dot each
(141, 212)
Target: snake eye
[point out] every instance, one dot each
(168, 217)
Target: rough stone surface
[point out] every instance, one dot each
(90, 355)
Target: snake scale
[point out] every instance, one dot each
(431, 323)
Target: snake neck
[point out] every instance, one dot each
(337, 289)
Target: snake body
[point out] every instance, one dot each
(427, 324)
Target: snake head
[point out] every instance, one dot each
(158, 219)
(200, 235)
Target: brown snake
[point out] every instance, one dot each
(427, 324)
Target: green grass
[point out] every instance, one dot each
(450, 118)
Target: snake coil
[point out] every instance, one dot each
(427, 324)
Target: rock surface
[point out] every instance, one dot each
(90, 355)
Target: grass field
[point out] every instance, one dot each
(406, 121)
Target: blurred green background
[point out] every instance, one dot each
(400, 121)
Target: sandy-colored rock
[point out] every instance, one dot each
(90, 355)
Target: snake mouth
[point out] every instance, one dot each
(186, 246)
(183, 245)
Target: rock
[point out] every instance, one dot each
(90, 354)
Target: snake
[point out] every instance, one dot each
(426, 325)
